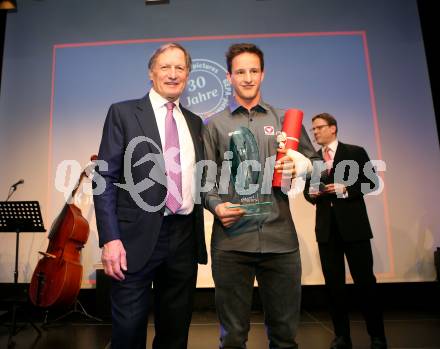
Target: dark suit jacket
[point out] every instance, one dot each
(350, 213)
(117, 214)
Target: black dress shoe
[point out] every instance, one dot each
(341, 342)
(378, 343)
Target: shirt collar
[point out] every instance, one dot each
(157, 101)
(333, 145)
(235, 107)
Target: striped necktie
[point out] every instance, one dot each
(328, 159)
(172, 161)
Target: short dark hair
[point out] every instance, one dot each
(330, 119)
(168, 46)
(237, 49)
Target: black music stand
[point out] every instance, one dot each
(20, 217)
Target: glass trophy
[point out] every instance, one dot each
(244, 176)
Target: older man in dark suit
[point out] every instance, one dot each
(343, 228)
(150, 229)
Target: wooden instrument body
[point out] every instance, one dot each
(57, 278)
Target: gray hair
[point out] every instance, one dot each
(168, 46)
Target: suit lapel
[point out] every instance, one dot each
(147, 122)
(339, 155)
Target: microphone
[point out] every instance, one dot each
(16, 184)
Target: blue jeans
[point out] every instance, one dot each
(279, 286)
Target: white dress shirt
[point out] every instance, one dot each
(332, 147)
(331, 150)
(187, 153)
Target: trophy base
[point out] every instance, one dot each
(256, 209)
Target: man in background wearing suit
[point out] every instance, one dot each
(342, 228)
(150, 229)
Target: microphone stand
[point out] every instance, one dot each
(14, 330)
(12, 190)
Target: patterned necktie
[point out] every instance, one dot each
(328, 159)
(172, 161)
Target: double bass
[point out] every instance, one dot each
(57, 278)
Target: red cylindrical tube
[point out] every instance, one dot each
(291, 133)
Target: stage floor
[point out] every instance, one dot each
(405, 329)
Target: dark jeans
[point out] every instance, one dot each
(360, 260)
(172, 270)
(279, 285)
